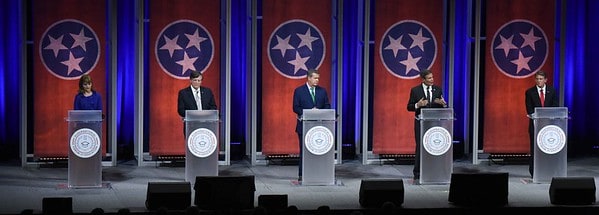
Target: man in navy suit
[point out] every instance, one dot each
(533, 97)
(195, 97)
(308, 96)
(425, 95)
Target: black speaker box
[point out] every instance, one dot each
(273, 203)
(224, 192)
(375, 192)
(572, 190)
(172, 195)
(57, 206)
(479, 189)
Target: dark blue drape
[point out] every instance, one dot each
(353, 43)
(125, 87)
(240, 69)
(581, 52)
(461, 89)
(10, 70)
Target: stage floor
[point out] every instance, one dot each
(125, 185)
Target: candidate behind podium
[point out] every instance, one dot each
(308, 96)
(195, 97)
(87, 98)
(424, 95)
(540, 95)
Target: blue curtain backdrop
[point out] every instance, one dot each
(10, 69)
(581, 50)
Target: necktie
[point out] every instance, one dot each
(198, 99)
(428, 96)
(312, 94)
(542, 96)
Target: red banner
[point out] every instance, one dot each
(184, 36)
(69, 41)
(296, 37)
(520, 35)
(408, 39)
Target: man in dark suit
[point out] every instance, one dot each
(425, 95)
(308, 96)
(195, 97)
(540, 95)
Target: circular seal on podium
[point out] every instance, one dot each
(201, 142)
(551, 139)
(436, 141)
(319, 140)
(85, 143)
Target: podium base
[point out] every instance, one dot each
(64, 186)
(335, 183)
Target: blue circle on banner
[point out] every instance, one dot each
(69, 48)
(407, 47)
(184, 46)
(295, 47)
(519, 48)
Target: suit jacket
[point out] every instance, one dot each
(303, 100)
(186, 100)
(533, 100)
(417, 93)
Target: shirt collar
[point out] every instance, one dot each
(194, 90)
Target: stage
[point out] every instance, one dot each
(125, 186)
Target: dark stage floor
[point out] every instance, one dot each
(125, 186)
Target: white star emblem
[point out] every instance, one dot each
(170, 45)
(395, 45)
(72, 63)
(529, 39)
(506, 44)
(419, 40)
(283, 45)
(521, 62)
(187, 63)
(80, 39)
(55, 44)
(299, 63)
(411, 63)
(307, 39)
(194, 40)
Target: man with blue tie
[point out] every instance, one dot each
(308, 96)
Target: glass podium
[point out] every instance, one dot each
(436, 145)
(201, 141)
(550, 143)
(318, 158)
(85, 148)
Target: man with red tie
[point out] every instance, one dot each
(540, 95)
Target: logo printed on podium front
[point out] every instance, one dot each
(551, 139)
(85, 143)
(201, 142)
(436, 141)
(319, 140)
